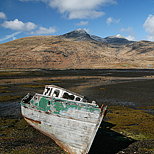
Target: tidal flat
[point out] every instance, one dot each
(127, 127)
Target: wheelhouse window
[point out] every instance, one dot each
(48, 102)
(77, 98)
(68, 96)
(56, 93)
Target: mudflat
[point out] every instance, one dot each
(127, 127)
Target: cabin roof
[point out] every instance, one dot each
(54, 86)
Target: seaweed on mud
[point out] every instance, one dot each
(3, 87)
(33, 85)
(47, 81)
(17, 136)
(9, 98)
(136, 124)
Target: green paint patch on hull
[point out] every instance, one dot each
(60, 105)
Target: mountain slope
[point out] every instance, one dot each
(117, 39)
(80, 35)
(97, 38)
(67, 52)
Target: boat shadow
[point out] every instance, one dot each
(109, 142)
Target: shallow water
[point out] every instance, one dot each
(114, 102)
(8, 109)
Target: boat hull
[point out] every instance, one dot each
(74, 134)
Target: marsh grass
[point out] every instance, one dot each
(47, 81)
(3, 87)
(15, 128)
(18, 137)
(33, 85)
(147, 107)
(9, 98)
(28, 150)
(34, 150)
(10, 73)
(5, 91)
(136, 124)
(150, 150)
(19, 73)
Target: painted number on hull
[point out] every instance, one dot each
(47, 91)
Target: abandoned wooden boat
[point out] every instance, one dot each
(64, 116)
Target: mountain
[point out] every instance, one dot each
(117, 39)
(80, 34)
(97, 38)
(76, 50)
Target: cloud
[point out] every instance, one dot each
(150, 38)
(43, 30)
(87, 30)
(2, 15)
(14, 38)
(85, 14)
(131, 38)
(149, 27)
(78, 9)
(130, 32)
(109, 20)
(19, 25)
(10, 36)
(112, 20)
(82, 23)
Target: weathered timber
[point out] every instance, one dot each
(64, 116)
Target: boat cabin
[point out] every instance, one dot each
(57, 92)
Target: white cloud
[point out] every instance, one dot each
(150, 38)
(112, 20)
(85, 14)
(19, 25)
(82, 23)
(109, 20)
(2, 15)
(14, 38)
(130, 32)
(43, 30)
(149, 27)
(78, 9)
(10, 36)
(87, 30)
(130, 38)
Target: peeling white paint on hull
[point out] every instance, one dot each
(71, 124)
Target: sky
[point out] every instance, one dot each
(133, 19)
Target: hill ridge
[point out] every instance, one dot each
(60, 52)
